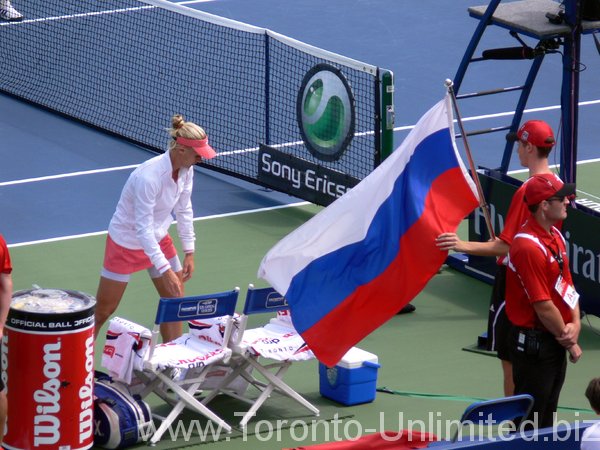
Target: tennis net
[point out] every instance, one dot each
(128, 67)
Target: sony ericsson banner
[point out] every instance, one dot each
(583, 247)
(301, 178)
(325, 112)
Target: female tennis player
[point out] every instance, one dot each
(138, 236)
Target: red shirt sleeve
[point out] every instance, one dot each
(517, 214)
(5, 264)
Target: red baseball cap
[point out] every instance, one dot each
(542, 187)
(536, 132)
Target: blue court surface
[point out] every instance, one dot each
(423, 42)
(60, 178)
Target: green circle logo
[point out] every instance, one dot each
(325, 110)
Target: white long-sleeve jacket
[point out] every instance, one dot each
(149, 200)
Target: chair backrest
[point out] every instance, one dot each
(196, 307)
(264, 300)
(495, 411)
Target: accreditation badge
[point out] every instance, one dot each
(567, 292)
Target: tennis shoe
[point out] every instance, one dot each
(407, 309)
(7, 12)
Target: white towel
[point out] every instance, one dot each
(213, 329)
(187, 352)
(278, 341)
(125, 348)
(285, 317)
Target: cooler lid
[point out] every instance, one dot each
(355, 357)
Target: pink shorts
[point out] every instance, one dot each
(121, 260)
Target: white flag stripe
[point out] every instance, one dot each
(338, 226)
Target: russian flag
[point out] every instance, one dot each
(355, 264)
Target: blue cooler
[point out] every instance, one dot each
(353, 380)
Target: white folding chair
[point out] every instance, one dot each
(175, 370)
(278, 342)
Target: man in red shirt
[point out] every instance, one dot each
(535, 140)
(6, 287)
(541, 302)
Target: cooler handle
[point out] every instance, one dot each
(371, 364)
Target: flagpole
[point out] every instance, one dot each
(482, 203)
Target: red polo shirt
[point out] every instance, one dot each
(516, 216)
(533, 272)
(5, 265)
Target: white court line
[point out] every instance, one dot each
(191, 2)
(284, 145)
(75, 16)
(196, 219)
(133, 166)
(233, 152)
(586, 193)
(508, 113)
(67, 175)
(291, 144)
(555, 166)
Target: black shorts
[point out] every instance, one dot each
(498, 324)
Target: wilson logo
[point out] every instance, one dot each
(86, 394)
(47, 399)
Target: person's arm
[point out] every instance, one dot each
(185, 225)
(188, 266)
(146, 191)
(515, 217)
(6, 289)
(451, 241)
(172, 283)
(552, 320)
(570, 333)
(550, 316)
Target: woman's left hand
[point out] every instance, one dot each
(188, 266)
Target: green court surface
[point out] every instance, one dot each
(421, 354)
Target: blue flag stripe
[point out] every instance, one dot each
(328, 280)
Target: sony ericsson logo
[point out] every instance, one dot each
(325, 112)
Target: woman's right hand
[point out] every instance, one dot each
(173, 283)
